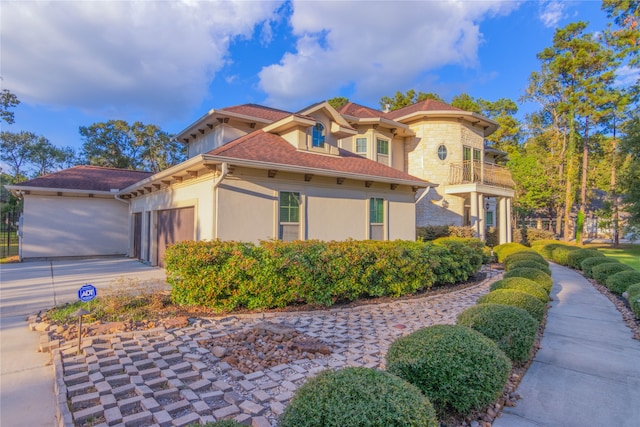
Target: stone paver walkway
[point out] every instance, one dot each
(170, 378)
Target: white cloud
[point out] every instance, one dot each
(374, 47)
(155, 55)
(627, 76)
(551, 12)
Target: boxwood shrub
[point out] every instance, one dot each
(354, 397)
(546, 249)
(512, 328)
(540, 277)
(227, 275)
(602, 272)
(560, 254)
(633, 296)
(504, 250)
(575, 258)
(524, 285)
(457, 368)
(619, 282)
(587, 264)
(524, 256)
(528, 264)
(515, 298)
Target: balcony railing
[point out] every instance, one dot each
(472, 172)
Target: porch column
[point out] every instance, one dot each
(474, 212)
(502, 217)
(483, 223)
(509, 225)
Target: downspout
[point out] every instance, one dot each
(216, 183)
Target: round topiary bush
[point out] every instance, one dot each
(504, 250)
(512, 328)
(524, 256)
(633, 296)
(546, 249)
(358, 397)
(524, 285)
(575, 258)
(619, 282)
(515, 298)
(456, 367)
(602, 272)
(589, 263)
(560, 254)
(540, 277)
(529, 264)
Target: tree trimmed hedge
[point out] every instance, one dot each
(587, 265)
(227, 275)
(524, 256)
(456, 367)
(619, 282)
(529, 264)
(522, 284)
(602, 272)
(512, 328)
(575, 258)
(515, 298)
(354, 397)
(540, 277)
(560, 254)
(633, 296)
(504, 250)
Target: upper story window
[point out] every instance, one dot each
(382, 147)
(318, 135)
(442, 152)
(361, 145)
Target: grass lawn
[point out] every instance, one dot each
(628, 254)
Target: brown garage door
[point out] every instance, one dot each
(174, 225)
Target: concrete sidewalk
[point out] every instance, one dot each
(588, 369)
(26, 377)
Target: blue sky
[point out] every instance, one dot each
(74, 63)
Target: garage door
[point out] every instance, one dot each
(137, 235)
(174, 225)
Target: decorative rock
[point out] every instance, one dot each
(219, 351)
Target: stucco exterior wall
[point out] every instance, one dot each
(55, 226)
(218, 136)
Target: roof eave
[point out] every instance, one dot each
(489, 125)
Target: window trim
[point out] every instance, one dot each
(366, 143)
(318, 136)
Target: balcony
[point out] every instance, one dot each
(473, 172)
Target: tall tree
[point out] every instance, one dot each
(139, 146)
(400, 99)
(625, 35)
(466, 102)
(8, 100)
(30, 155)
(338, 102)
(630, 178)
(15, 150)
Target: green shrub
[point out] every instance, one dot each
(560, 254)
(515, 298)
(536, 243)
(504, 250)
(224, 276)
(633, 296)
(619, 282)
(524, 285)
(432, 232)
(588, 264)
(546, 249)
(529, 264)
(456, 367)
(537, 234)
(602, 272)
(528, 255)
(575, 258)
(540, 277)
(358, 397)
(512, 328)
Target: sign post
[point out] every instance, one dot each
(86, 293)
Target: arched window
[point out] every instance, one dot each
(318, 135)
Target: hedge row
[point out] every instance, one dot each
(227, 275)
(633, 296)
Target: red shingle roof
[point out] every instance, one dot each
(428, 105)
(90, 178)
(258, 111)
(357, 110)
(270, 148)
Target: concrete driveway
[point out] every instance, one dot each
(26, 377)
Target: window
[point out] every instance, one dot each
(383, 146)
(318, 135)
(489, 217)
(361, 145)
(442, 152)
(476, 155)
(376, 218)
(289, 216)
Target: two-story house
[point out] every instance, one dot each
(258, 173)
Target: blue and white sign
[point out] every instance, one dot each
(87, 293)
